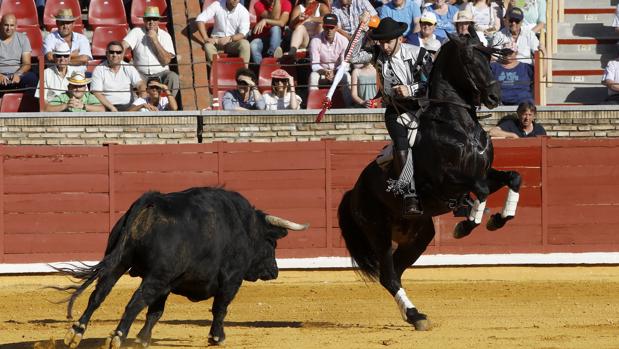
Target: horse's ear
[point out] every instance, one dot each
(473, 34)
(455, 38)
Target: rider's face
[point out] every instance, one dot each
(389, 46)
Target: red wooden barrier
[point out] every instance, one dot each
(58, 203)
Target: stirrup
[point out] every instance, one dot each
(411, 206)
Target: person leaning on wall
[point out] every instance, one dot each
(521, 126)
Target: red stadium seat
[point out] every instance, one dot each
(18, 102)
(106, 13)
(267, 66)
(53, 6)
(315, 98)
(103, 35)
(25, 12)
(223, 73)
(92, 64)
(252, 12)
(137, 10)
(36, 39)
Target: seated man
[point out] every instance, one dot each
(463, 21)
(525, 39)
(516, 78)
(229, 32)
(15, 54)
(113, 80)
(348, 13)
(522, 126)
(78, 43)
(56, 77)
(246, 96)
(273, 15)
(76, 99)
(153, 50)
(611, 81)
(403, 11)
(327, 53)
(427, 24)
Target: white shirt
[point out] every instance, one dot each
(79, 42)
(275, 103)
(227, 23)
(144, 57)
(55, 84)
(612, 73)
(163, 103)
(115, 86)
(616, 19)
(527, 43)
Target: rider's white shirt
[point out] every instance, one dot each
(396, 69)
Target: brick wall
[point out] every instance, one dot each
(175, 128)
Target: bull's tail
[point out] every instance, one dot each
(113, 256)
(357, 243)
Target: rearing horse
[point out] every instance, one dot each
(453, 158)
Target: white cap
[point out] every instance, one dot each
(428, 17)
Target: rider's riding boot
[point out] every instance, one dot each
(410, 202)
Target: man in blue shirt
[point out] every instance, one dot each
(403, 11)
(522, 126)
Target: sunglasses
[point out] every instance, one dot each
(115, 52)
(62, 56)
(512, 20)
(154, 87)
(151, 19)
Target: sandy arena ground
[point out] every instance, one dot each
(491, 307)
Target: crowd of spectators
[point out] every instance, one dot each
(316, 31)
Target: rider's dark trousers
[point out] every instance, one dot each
(397, 132)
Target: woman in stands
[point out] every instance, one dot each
(444, 17)
(487, 16)
(155, 100)
(282, 94)
(306, 22)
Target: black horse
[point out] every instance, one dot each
(453, 159)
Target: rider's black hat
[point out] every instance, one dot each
(388, 29)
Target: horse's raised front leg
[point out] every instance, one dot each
(496, 180)
(465, 227)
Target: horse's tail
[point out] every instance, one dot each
(112, 259)
(357, 242)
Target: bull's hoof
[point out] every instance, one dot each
(418, 320)
(497, 221)
(74, 336)
(463, 228)
(114, 341)
(216, 340)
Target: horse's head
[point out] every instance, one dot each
(468, 65)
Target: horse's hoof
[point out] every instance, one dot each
(114, 341)
(496, 221)
(74, 336)
(215, 340)
(463, 228)
(418, 320)
(140, 343)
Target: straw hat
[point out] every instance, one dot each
(62, 49)
(152, 12)
(78, 79)
(464, 16)
(280, 74)
(65, 15)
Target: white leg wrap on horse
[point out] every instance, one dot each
(477, 211)
(403, 302)
(510, 204)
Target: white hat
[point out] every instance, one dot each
(432, 45)
(428, 17)
(464, 16)
(62, 48)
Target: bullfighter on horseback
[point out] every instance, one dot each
(402, 71)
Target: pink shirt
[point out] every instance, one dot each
(260, 6)
(327, 55)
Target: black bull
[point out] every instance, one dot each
(452, 157)
(198, 243)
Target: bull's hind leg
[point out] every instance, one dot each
(153, 315)
(148, 293)
(496, 180)
(465, 227)
(105, 283)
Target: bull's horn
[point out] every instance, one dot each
(284, 223)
